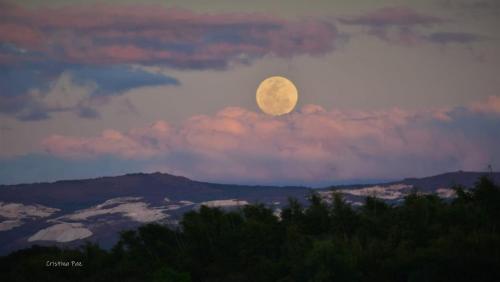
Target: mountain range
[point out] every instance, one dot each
(70, 212)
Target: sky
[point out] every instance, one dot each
(387, 89)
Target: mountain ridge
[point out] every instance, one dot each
(452, 174)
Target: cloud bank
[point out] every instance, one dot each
(312, 145)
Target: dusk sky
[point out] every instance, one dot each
(387, 89)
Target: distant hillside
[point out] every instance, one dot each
(71, 211)
(153, 187)
(430, 183)
(463, 178)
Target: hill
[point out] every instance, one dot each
(71, 211)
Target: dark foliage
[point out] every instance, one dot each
(422, 239)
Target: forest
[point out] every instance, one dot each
(424, 238)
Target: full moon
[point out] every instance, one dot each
(276, 95)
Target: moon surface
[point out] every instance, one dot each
(276, 95)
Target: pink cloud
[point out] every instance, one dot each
(138, 143)
(20, 35)
(490, 106)
(313, 144)
(100, 34)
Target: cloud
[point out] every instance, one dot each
(98, 45)
(489, 6)
(454, 37)
(113, 80)
(490, 106)
(311, 146)
(16, 81)
(33, 94)
(392, 16)
(395, 25)
(405, 26)
(41, 101)
(149, 34)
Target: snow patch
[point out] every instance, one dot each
(62, 232)
(10, 224)
(446, 193)
(173, 207)
(130, 207)
(179, 205)
(186, 202)
(390, 192)
(277, 213)
(18, 211)
(119, 200)
(224, 203)
(15, 213)
(354, 203)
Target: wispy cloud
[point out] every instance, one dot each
(405, 26)
(454, 37)
(31, 95)
(392, 16)
(156, 35)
